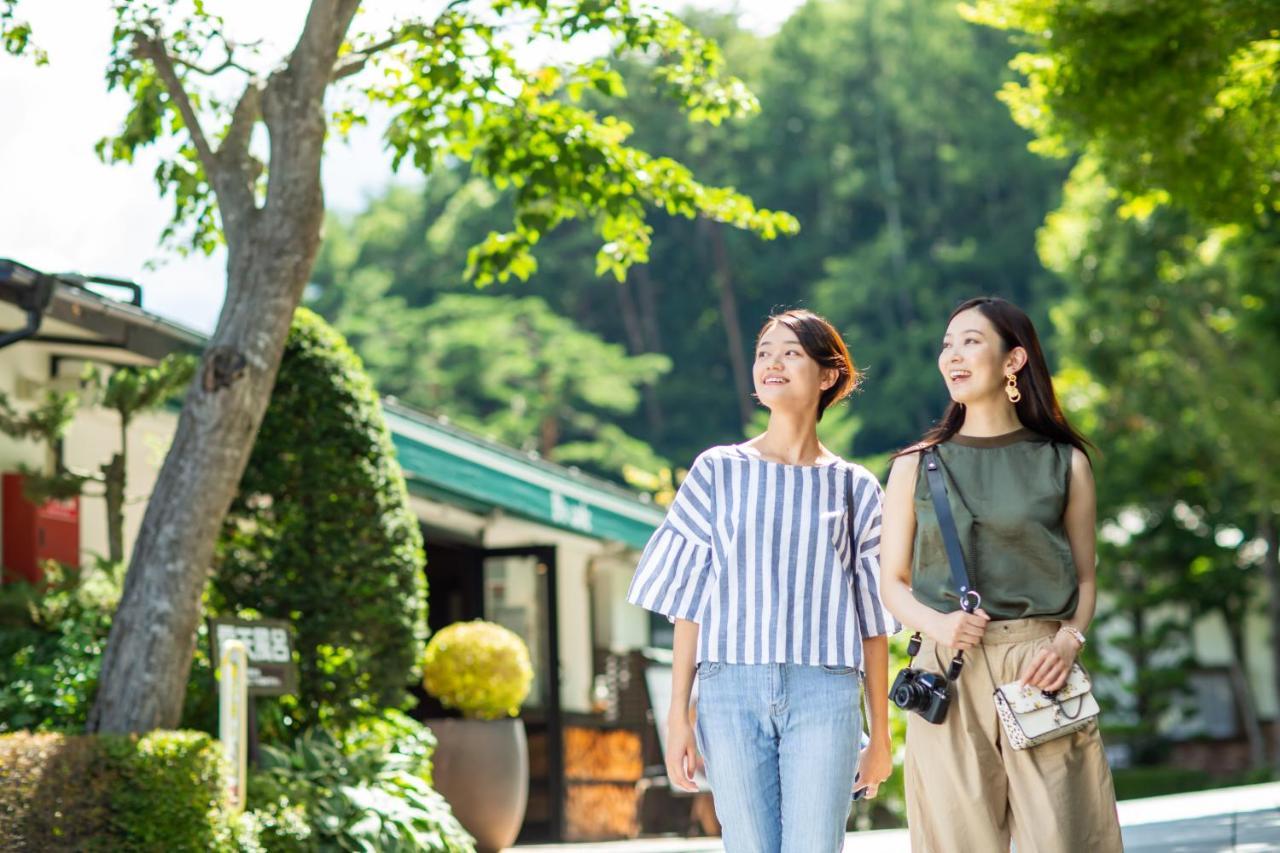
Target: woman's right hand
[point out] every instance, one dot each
(959, 630)
(682, 754)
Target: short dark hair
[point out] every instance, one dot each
(823, 344)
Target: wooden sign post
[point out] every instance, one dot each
(270, 669)
(233, 701)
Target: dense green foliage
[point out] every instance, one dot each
(1171, 322)
(1168, 328)
(367, 790)
(51, 640)
(321, 534)
(511, 369)
(1177, 99)
(878, 129)
(455, 85)
(164, 791)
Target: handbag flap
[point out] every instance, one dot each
(1024, 699)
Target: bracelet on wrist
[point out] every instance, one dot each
(1075, 634)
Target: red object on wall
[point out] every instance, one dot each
(33, 534)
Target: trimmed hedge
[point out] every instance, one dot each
(321, 534)
(1133, 783)
(163, 791)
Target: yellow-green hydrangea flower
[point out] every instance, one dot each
(479, 668)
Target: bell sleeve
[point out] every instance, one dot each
(874, 619)
(674, 576)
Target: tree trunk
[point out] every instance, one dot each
(1142, 695)
(647, 288)
(548, 436)
(634, 326)
(723, 275)
(148, 654)
(270, 252)
(113, 481)
(1271, 568)
(1244, 696)
(887, 172)
(630, 317)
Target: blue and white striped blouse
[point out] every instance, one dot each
(758, 554)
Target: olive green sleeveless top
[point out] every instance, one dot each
(1008, 494)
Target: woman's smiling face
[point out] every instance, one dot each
(973, 361)
(785, 374)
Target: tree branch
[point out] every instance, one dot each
(228, 47)
(293, 110)
(312, 60)
(245, 115)
(152, 48)
(358, 59)
(241, 170)
(212, 72)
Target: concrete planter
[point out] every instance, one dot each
(482, 768)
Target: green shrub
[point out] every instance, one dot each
(164, 791)
(321, 534)
(281, 827)
(51, 642)
(395, 734)
(365, 790)
(480, 668)
(1137, 782)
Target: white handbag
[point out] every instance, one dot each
(1031, 716)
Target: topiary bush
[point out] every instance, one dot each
(164, 791)
(321, 534)
(478, 668)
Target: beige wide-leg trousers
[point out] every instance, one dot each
(969, 792)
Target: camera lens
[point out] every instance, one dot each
(907, 696)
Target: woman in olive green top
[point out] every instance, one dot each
(1020, 488)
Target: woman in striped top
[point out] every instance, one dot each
(768, 563)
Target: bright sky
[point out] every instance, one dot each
(65, 211)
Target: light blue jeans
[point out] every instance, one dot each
(780, 743)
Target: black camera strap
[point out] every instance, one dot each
(950, 536)
(969, 597)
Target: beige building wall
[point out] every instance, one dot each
(90, 441)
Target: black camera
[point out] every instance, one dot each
(926, 693)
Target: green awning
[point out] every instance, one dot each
(444, 462)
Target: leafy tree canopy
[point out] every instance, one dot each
(1178, 100)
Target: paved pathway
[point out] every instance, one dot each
(1229, 820)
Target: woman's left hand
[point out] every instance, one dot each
(874, 766)
(1050, 667)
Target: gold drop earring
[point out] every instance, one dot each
(1011, 389)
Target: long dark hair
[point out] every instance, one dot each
(822, 343)
(1038, 409)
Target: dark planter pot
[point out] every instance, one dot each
(482, 768)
